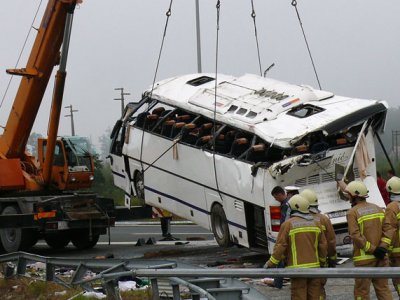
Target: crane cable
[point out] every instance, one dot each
(168, 14)
(294, 4)
(218, 6)
(253, 15)
(20, 54)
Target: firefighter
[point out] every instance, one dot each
(296, 244)
(391, 227)
(365, 227)
(327, 229)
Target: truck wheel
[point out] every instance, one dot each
(139, 185)
(57, 240)
(11, 238)
(219, 225)
(82, 241)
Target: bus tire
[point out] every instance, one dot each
(139, 185)
(219, 225)
(10, 238)
(81, 240)
(57, 240)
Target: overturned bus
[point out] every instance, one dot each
(211, 152)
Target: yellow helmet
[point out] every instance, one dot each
(357, 189)
(393, 185)
(311, 197)
(299, 203)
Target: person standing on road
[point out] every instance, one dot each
(327, 229)
(279, 195)
(365, 227)
(382, 188)
(301, 244)
(291, 190)
(391, 227)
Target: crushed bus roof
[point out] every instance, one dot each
(277, 111)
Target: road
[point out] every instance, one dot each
(203, 251)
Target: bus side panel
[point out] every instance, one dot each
(177, 181)
(234, 178)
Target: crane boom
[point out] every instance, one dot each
(35, 77)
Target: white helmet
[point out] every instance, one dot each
(311, 196)
(299, 203)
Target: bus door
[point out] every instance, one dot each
(116, 159)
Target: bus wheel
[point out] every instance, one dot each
(219, 225)
(139, 185)
(82, 240)
(57, 240)
(10, 238)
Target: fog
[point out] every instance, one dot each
(114, 44)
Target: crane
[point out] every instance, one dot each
(36, 198)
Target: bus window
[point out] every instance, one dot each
(257, 152)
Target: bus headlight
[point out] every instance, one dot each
(91, 177)
(73, 179)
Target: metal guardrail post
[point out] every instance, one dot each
(111, 289)
(154, 289)
(50, 272)
(21, 266)
(176, 295)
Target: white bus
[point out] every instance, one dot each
(213, 157)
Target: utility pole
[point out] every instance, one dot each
(122, 99)
(199, 69)
(71, 115)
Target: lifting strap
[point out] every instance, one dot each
(294, 4)
(253, 15)
(168, 14)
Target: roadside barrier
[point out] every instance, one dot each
(213, 284)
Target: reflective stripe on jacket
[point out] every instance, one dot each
(301, 243)
(365, 227)
(329, 232)
(391, 233)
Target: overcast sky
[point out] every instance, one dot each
(355, 44)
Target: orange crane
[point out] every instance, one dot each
(35, 197)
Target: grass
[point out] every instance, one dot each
(24, 288)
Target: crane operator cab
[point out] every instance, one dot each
(73, 166)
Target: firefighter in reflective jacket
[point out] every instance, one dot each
(365, 228)
(391, 230)
(327, 229)
(301, 244)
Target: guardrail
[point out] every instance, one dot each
(207, 283)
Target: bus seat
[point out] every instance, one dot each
(257, 153)
(167, 128)
(205, 129)
(183, 118)
(220, 144)
(319, 147)
(190, 134)
(203, 140)
(164, 113)
(341, 141)
(239, 146)
(274, 154)
(158, 111)
(151, 120)
(141, 118)
(177, 128)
